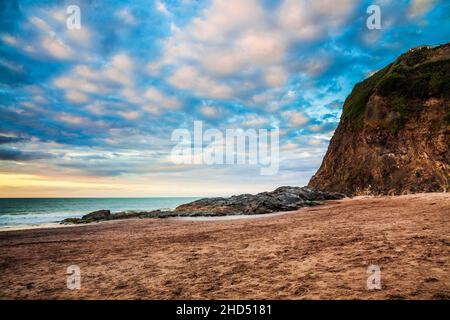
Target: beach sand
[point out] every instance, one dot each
(321, 252)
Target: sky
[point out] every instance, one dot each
(90, 112)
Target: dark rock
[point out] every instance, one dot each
(107, 215)
(282, 199)
(140, 214)
(125, 215)
(71, 221)
(97, 215)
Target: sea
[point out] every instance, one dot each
(36, 211)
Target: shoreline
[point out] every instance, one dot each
(236, 207)
(47, 225)
(55, 225)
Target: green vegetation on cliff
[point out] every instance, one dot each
(412, 78)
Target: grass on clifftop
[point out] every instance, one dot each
(406, 82)
(355, 104)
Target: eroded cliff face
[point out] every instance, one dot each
(394, 132)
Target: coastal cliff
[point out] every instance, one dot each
(394, 132)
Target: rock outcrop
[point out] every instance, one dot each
(103, 215)
(394, 132)
(97, 215)
(282, 199)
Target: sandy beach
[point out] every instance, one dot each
(321, 252)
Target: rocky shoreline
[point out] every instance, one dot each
(281, 199)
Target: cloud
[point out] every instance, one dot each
(223, 18)
(18, 43)
(86, 72)
(130, 115)
(77, 83)
(161, 7)
(122, 62)
(77, 97)
(276, 76)
(154, 95)
(41, 24)
(8, 39)
(311, 20)
(50, 41)
(211, 112)
(4, 139)
(58, 15)
(316, 142)
(316, 65)
(188, 78)
(81, 36)
(57, 48)
(96, 108)
(127, 17)
(151, 99)
(420, 7)
(120, 69)
(15, 67)
(72, 119)
(254, 120)
(294, 118)
(262, 47)
(315, 128)
(12, 154)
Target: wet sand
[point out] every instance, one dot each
(320, 252)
